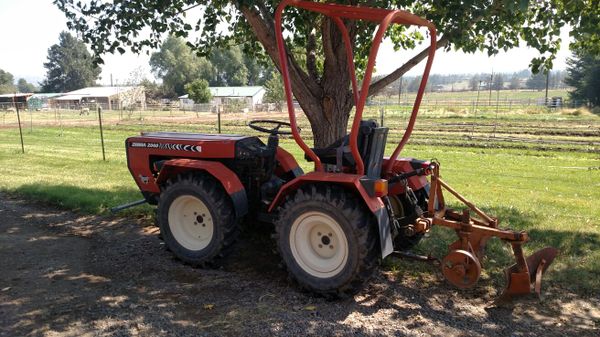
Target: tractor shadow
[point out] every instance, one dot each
(70, 274)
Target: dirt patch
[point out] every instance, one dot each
(64, 274)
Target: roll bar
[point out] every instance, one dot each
(337, 13)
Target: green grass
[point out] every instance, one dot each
(551, 194)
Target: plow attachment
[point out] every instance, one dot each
(462, 266)
(526, 273)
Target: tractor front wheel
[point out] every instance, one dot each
(328, 240)
(196, 218)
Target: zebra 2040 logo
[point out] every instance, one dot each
(167, 146)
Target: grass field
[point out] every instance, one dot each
(484, 95)
(540, 173)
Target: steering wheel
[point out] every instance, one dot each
(272, 131)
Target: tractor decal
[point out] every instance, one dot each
(178, 147)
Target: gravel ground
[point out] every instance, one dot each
(64, 274)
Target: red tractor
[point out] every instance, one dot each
(333, 224)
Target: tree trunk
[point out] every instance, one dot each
(328, 115)
(329, 121)
(326, 101)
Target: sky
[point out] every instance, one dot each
(30, 27)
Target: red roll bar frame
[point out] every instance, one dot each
(338, 12)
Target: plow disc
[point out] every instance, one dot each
(462, 267)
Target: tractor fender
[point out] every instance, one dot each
(351, 182)
(227, 178)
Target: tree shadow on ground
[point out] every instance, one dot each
(75, 275)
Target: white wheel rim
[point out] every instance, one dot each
(191, 222)
(319, 244)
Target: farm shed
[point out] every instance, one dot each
(8, 100)
(227, 95)
(107, 97)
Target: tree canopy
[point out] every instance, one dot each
(24, 86)
(536, 81)
(7, 80)
(198, 91)
(498, 82)
(177, 65)
(274, 89)
(515, 82)
(584, 76)
(70, 66)
(321, 85)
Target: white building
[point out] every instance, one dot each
(108, 97)
(227, 95)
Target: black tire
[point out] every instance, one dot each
(332, 207)
(185, 194)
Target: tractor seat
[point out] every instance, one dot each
(341, 147)
(329, 154)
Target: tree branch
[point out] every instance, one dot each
(311, 57)
(384, 82)
(267, 15)
(300, 81)
(442, 42)
(328, 48)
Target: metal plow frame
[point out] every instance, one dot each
(462, 267)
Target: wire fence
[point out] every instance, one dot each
(74, 114)
(385, 112)
(470, 120)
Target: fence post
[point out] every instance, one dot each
(19, 121)
(219, 118)
(101, 132)
(381, 116)
(497, 106)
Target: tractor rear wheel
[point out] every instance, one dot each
(196, 218)
(328, 240)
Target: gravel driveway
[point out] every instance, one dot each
(64, 274)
